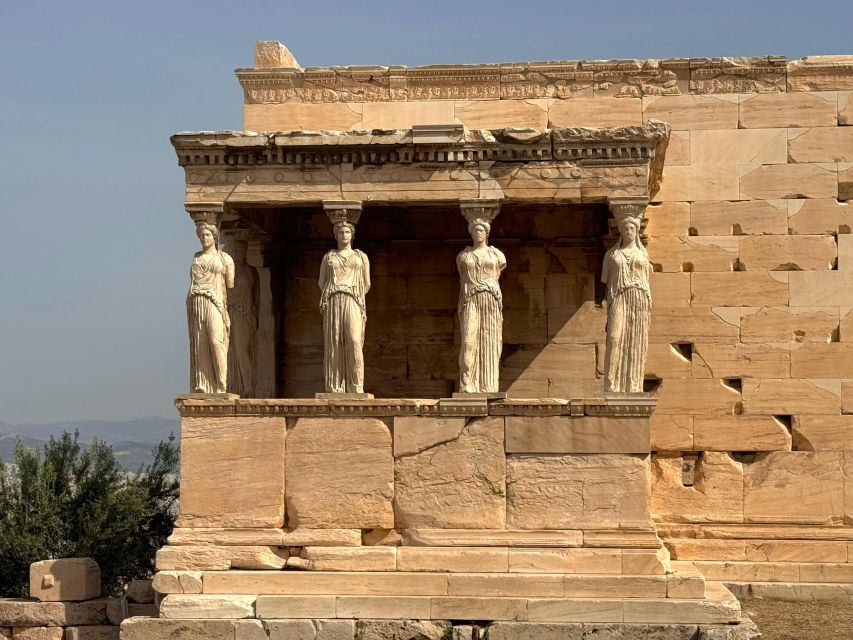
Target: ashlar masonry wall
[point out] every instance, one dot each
(750, 237)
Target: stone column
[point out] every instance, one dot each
(265, 369)
(626, 272)
(480, 304)
(243, 312)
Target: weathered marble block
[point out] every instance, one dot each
(454, 479)
(232, 472)
(340, 473)
(578, 491)
(65, 579)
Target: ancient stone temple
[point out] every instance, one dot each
(532, 350)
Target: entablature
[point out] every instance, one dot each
(424, 163)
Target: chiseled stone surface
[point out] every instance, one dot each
(383, 607)
(250, 630)
(795, 486)
(166, 582)
(413, 434)
(161, 629)
(17, 612)
(376, 558)
(321, 538)
(232, 472)
(492, 538)
(795, 109)
(272, 607)
(402, 629)
(455, 484)
(65, 579)
(567, 434)
(340, 474)
(534, 631)
(467, 559)
(95, 632)
(745, 630)
(37, 633)
(139, 591)
(225, 537)
(189, 558)
(577, 491)
(207, 606)
(716, 494)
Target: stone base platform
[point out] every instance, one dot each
(378, 629)
(317, 516)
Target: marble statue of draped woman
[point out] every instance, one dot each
(625, 273)
(344, 283)
(480, 312)
(211, 275)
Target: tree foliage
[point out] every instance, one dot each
(68, 500)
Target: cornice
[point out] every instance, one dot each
(451, 144)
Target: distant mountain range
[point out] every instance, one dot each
(131, 440)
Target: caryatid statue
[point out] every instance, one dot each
(344, 283)
(625, 274)
(211, 275)
(243, 312)
(480, 301)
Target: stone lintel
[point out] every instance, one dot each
(629, 406)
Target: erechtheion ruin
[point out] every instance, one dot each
(581, 351)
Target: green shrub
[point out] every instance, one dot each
(66, 500)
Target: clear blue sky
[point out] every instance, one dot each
(93, 265)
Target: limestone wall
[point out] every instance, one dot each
(553, 333)
(752, 329)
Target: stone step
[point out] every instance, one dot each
(546, 585)
(819, 572)
(685, 581)
(452, 559)
(483, 560)
(615, 538)
(753, 532)
(719, 607)
(760, 550)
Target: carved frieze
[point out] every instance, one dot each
(557, 79)
(526, 80)
(638, 78)
(763, 74)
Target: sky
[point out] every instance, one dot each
(95, 242)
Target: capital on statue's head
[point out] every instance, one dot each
(343, 211)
